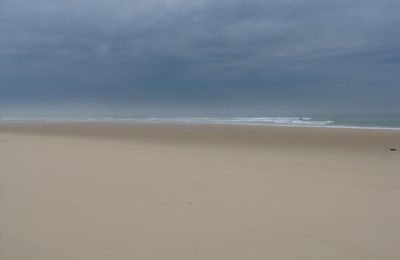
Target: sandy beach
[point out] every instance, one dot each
(135, 191)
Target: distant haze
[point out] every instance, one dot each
(168, 57)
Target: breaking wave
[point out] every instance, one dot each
(301, 121)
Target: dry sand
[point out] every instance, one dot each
(119, 191)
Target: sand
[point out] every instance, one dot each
(120, 191)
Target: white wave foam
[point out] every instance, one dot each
(267, 121)
(192, 120)
(239, 120)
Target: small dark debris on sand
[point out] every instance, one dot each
(393, 149)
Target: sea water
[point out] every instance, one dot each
(391, 122)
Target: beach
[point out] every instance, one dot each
(173, 191)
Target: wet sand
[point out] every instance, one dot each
(131, 191)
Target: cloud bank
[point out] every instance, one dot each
(297, 53)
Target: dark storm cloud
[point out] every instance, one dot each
(200, 51)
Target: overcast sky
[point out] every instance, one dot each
(279, 55)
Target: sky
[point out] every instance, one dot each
(178, 56)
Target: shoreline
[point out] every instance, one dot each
(138, 122)
(107, 128)
(301, 122)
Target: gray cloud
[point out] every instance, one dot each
(171, 51)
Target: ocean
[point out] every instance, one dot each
(390, 122)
